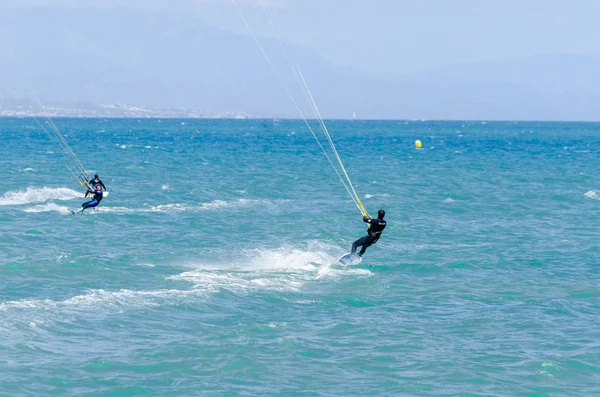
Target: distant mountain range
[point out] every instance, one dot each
(167, 60)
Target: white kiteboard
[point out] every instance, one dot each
(78, 211)
(350, 259)
(104, 194)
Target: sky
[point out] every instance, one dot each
(459, 59)
(398, 36)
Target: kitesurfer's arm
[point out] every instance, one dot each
(102, 184)
(367, 219)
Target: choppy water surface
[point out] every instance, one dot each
(210, 269)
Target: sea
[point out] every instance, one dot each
(211, 267)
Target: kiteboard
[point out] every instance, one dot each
(350, 259)
(104, 195)
(75, 212)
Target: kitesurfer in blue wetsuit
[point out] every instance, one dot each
(93, 183)
(376, 227)
(97, 198)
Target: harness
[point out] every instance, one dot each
(374, 235)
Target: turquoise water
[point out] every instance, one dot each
(210, 268)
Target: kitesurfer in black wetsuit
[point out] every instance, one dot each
(93, 183)
(97, 198)
(376, 226)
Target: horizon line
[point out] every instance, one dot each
(301, 120)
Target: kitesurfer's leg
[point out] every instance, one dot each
(364, 242)
(361, 241)
(88, 204)
(366, 245)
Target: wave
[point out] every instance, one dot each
(17, 313)
(63, 209)
(28, 170)
(100, 299)
(171, 208)
(285, 269)
(593, 194)
(38, 195)
(385, 195)
(163, 208)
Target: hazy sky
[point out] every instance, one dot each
(544, 55)
(399, 36)
(403, 36)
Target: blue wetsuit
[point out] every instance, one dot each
(374, 232)
(94, 202)
(93, 183)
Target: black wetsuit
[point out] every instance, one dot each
(374, 233)
(96, 181)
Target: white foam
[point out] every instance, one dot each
(277, 325)
(368, 196)
(307, 258)
(38, 195)
(28, 170)
(100, 299)
(549, 370)
(171, 208)
(166, 187)
(282, 269)
(286, 269)
(306, 302)
(145, 265)
(593, 194)
(49, 207)
(449, 200)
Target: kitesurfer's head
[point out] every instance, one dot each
(380, 214)
(98, 187)
(95, 175)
